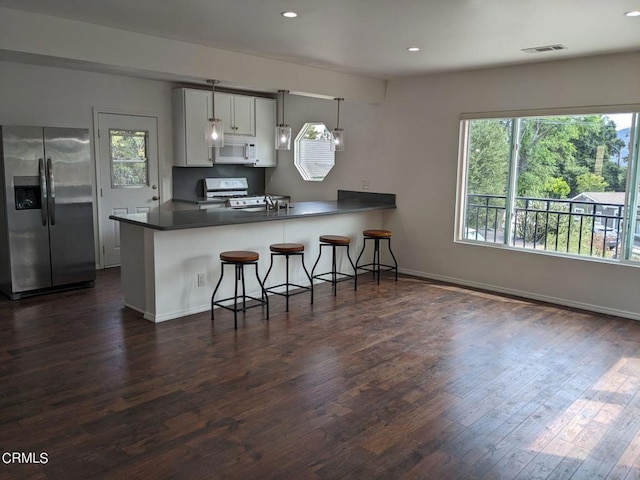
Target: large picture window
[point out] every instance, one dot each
(565, 184)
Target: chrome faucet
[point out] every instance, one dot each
(268, 201)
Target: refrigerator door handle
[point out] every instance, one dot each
(43, 192)
(52, 193)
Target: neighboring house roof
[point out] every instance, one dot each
(612, 198)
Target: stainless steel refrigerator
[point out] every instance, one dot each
(46, 210)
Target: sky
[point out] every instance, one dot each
(623, 120)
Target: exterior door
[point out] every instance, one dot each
(128, 164)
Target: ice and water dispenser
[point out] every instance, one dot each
(27, 193)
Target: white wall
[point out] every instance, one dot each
(359, 160)
(35, 95)
(421, 161)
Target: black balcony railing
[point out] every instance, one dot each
(568, 226)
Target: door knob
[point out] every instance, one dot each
(155, 187)
(155, 197)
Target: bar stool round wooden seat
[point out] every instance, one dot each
(335, 241)
(376, 266)
(239, 258)
(287, 250)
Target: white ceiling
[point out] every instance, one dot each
(370, 37)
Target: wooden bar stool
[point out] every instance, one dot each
(375, 266)
(239, 259)
(335, 241)
(287, 250)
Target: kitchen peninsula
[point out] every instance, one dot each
(170, 259)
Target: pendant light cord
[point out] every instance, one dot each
(213, 98)
(338, 120)
(282, 92)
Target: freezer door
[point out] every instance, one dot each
(70, 205)
(26, 212)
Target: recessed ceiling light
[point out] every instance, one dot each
(289, 14)
(413, 49)
(633, 13)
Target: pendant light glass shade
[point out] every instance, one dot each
(337, 145)
(338, 140)
(283, 131)
(283, 137)
(215, 133)
(215, 128)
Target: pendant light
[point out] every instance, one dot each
(337, 145)
(215, 129)
(283, 131)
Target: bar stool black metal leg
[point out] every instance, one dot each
(235, 298)
(266, 298)
(216, 289)
(269, 271)
(395, 262)
(377, 256)
(313, 270)
(364, 245)
(334, 273)
(355, 271)
(287, 282)
(308, 276)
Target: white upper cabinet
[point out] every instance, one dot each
(238, 114)
(245, 119)
(191, 111)
(265, 138)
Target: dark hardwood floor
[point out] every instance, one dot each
(406, 380)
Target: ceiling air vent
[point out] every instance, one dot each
(545, 48)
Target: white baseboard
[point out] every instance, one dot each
(529, 295)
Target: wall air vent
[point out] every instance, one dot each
(545, 48)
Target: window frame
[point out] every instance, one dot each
(300, 163)
(632, 197)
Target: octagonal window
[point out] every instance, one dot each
(312, 153)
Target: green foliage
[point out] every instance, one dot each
(590, 182)
(557, 187)
(128, 158)
(129, 174)
(128, 145)
(550, 148)
(489, 149)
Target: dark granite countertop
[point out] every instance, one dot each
(176, 220)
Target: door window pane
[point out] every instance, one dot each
(129, 158)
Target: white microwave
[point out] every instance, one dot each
(236, 152)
